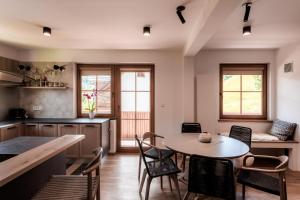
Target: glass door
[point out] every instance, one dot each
(135, 105)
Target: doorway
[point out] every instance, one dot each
(135, 104)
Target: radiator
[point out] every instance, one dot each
(113, 136)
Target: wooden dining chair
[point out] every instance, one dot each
(157, 168)
(151, 152)
(212, 177)
(75, 187)
(268, 179)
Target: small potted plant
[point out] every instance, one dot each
(91, 103)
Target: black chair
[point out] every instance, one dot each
(189, 128)
(157, 168)
(77, 187)
(152, 152)
(241, 133)
(212, 177)
(271, 180)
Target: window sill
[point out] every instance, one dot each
(246, 120)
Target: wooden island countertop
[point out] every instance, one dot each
(22, 163)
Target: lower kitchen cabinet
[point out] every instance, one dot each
(31, 129)
(10, 132)
(92, 139)
(70, 129)
(48, 130)
(96, 135)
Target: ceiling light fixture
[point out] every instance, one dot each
(247, 30)
(47, 31)
(247, 10)
(179, 10)
(146, 31)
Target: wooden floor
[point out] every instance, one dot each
(119, 182)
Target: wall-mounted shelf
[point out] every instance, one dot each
(45, 88)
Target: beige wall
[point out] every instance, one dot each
(288, 91)
(207, 72)
(169, 76)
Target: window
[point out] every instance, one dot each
(95, 90)
(243, 91)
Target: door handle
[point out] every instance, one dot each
(30, 125)
(12, 127)
(68, 125)
(47, 125)
(90, 126)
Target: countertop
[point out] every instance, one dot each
(20, 164)
(19, 145)
(4, 124)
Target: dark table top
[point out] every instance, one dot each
(19, 145)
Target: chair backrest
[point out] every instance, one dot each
(141, 151)
(213, 177)
(151, 136)
(241, 133)
(93, 166)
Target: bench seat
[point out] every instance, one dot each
(266, 140)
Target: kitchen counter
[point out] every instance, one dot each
(36, 159)
(4, 124)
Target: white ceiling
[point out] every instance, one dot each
(97, 24)
(275, 23)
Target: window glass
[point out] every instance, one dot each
(96, 91)
(243, 91)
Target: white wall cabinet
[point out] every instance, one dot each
(70, 129)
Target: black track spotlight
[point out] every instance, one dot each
(47, 31)
(246, 30)
(179, 10)
(247, 11)
(146, 31)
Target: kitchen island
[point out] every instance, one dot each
(30, 161)
(96, 132)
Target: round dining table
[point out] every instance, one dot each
(219, 147)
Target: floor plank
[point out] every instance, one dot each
(119, 181)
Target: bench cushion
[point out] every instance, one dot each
(282, 129)
(263, 137)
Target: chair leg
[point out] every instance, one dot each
(161, 183)
(143, 180)
(98, 191)
(170, 183)
(175, 180)
(140, 163)
(148, 187)
(243, 191)
(283, 195)
(183, 162)
(186, 196)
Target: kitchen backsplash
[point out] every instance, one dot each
(9, 98)
(50, 103)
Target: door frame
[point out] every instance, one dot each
(118, 68)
